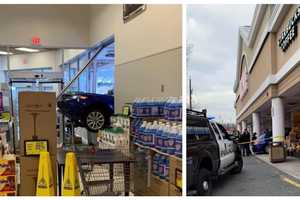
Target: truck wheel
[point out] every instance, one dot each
(205, 183)
(239, 162)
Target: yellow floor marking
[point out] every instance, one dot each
(294, 183)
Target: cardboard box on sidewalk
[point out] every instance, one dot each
(277, 153)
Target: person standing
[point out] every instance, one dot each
(242, 143)
(252, 143)
(247, 143)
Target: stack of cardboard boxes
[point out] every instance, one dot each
(293, 139)
(175, 183)
(37, 115)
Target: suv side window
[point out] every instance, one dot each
(198, 130)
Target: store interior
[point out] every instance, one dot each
(94, 111)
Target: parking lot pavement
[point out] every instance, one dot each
(257, 178)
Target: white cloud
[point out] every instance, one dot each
(213, 31)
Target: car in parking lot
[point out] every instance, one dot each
(210, 153)
(262, 143)
(89, 110)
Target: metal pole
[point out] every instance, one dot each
(62, 116)
(11, 110)
(190, 89)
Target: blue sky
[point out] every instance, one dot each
(213, 32)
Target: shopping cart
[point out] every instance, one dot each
(105, 172)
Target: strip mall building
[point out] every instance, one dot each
(267, 82)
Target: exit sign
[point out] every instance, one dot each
(36, 41)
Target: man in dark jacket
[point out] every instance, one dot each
(242, 143)
(247, 143)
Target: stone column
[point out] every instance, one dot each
(277, 119)
(238, 127)
(244, 126)
(256, 123)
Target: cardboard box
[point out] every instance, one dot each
(37, 115)
(174, 191)
(175, 164)
(29, 173)
(278, 153)
(159, 187)
(295, 119)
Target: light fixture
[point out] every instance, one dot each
(27, 49)
(5, 53)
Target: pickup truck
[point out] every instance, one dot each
(210, 153)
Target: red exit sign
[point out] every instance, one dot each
(36, 41)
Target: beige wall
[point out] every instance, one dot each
(36, 60)
(71, 53)
(145, 77)
(56, 25)
(250, 52)
(156, 30)
(263, 98)
(147, 49)
(262, 68)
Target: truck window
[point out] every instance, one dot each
(198, 131)
(223, 131)
(216, 130)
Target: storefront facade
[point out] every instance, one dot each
(267, 85)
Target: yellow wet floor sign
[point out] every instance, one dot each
(45, 185)
(71, 185)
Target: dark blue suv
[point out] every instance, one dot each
(89, 110)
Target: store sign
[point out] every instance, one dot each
(36, 41)
(290, 32)
(34, 147)
(243, 86)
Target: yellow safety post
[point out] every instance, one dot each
(71, 185)
(45, 185)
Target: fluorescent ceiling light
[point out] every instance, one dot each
(5, 53)
(27, 49)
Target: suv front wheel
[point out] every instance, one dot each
(205, 183)
(95, 120)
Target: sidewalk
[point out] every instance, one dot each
(291, 166)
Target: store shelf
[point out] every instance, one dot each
(148, 183)
(161, 119)
(157, 151)
(8, 193)
(8, 175)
